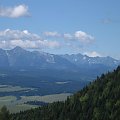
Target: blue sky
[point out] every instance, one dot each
(90, 27)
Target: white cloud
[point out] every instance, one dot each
(11, 38)
(52, 34)
(17, 34)
(75, 41)
(68, 36)
(51, 44)
(14, 12)
(24, 44)
(92, 54)
(78, 36)
(83, 37)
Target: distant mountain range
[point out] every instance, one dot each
(22, 59)
(43, 70)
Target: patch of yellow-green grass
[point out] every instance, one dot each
(46, 98)
(7, 100)
(10, 88)
(15, 105)
(20, 107)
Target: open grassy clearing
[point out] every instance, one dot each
(15, 105)
(46, 98)
(10, 88)
(7, 100)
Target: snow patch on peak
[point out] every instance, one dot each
(84, 58)
(50, 59)
(7, 53)
(75, 60)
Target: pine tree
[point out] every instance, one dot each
(4, 113)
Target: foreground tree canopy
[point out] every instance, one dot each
(4, 113)
(99, 100)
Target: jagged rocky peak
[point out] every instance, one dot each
(18, 55)
(17, 48)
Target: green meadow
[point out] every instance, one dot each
(17, 105)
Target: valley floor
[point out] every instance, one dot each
(16, 105)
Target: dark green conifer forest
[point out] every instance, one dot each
(100, 100)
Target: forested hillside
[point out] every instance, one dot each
(99, 100)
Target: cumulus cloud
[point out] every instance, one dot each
(52, 34)
(79, 36)
(77, 41)
(11, 38)
(83, 37)
(17, 34)
(92, 54)
(14, 12)
(68, 36)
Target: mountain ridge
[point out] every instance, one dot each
(19, 57)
